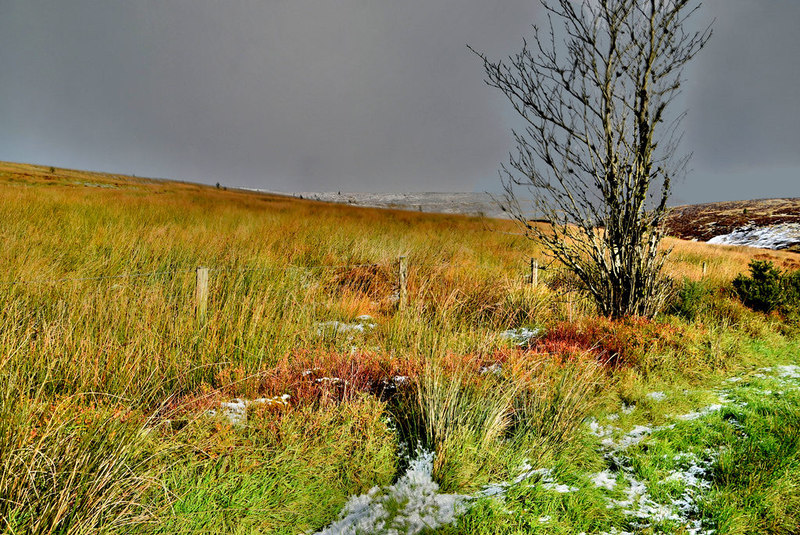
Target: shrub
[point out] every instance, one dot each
(766, 289)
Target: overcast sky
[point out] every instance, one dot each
(352, 95)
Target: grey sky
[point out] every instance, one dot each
(371, 95)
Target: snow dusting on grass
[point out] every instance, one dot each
(414, 503)
(362, 324)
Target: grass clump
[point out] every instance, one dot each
(462, 417)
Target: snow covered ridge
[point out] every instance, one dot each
(781, 236)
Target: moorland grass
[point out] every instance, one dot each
(107, 377)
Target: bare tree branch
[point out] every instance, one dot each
(597, 153)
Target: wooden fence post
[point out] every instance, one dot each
(201, 296)
(534, 272)
(402, 278)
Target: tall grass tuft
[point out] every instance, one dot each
(462, 418)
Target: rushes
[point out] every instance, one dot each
(461, 419)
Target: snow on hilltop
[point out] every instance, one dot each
(782, 236)
(765, 223)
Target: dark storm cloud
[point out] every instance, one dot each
(349, 94)
(281, 94)
(742, 95)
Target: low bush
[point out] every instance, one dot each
(767, 289)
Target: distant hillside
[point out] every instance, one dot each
(766, 223)
(466, 203)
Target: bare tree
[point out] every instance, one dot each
(598, 150)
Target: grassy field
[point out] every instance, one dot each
(486, 405)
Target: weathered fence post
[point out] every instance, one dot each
(201, 296)
(402, 279)
(705, 269)
(534, 272)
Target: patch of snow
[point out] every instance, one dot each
(788, 372)
(699, 414)
(657, 396)
(631, 438)
(521, 336)
(415, 498)
(546, 480)
(235, 411)
(604, 479)
(496, 369)
(628, 409)
(779, 236)
(600, 431)
(330, 380)
(724, 398)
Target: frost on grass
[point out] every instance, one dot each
(409, 506)
(657, 396)
(521, 336)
